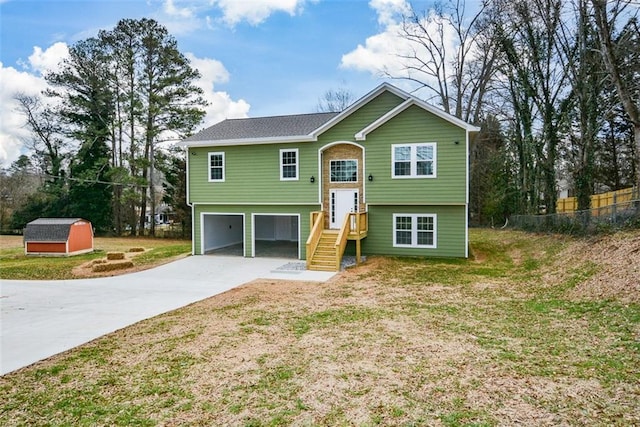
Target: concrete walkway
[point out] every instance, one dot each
(43, 318)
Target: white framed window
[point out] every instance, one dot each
(344, 170)
(414, 230)
(289, 165)
(216, 167)
(413, 160)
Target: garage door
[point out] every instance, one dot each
(223, 234)
(276, 235)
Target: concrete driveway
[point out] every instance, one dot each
(43, 318)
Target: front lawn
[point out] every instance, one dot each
(14, 264)
(514, 336)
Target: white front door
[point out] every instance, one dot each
(342, 202)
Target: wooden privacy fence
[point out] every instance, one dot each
(601, 204)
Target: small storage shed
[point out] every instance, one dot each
(58, 236)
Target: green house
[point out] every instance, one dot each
(389, 175)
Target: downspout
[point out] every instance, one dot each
(193, 241)
(466, 205)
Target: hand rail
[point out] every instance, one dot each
(341, 240)
(317, 221)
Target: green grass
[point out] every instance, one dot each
(14, 264)
(494, 340)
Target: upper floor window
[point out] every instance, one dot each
(414, 160)
(216, 167)
(288, 165)
(344, 171)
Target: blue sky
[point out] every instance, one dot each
(260, 57)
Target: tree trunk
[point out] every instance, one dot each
(612, 65)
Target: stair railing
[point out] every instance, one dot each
(317, 225)
(341, 240)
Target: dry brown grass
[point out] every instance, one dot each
(511, 337)
(10, 242)
(143, 252)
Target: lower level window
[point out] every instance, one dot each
(414, 230)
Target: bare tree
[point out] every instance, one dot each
(577, 41)
(451, 55)
(47, 141)
(607, 15)
(528, 32)
(335, 100)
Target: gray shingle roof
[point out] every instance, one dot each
(263, 127)
(49, 229)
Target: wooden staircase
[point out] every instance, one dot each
(325, 247)
(325, 258)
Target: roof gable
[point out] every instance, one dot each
(308, 127)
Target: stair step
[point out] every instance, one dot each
(316, 268)
(323, 262)
(324, 257)
(320, 251)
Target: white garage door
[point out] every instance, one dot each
(276, 235)
(222, 231)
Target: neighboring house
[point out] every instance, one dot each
(58, 236)
(389, 175)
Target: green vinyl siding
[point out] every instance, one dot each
(358, 120)
(252, 175)
(451, 231)
(415, 125)
(247, 211)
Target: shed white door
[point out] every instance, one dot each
(342, 201)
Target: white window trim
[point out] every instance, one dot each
(414, 231)
(344, 182)
(289, 150)
(224, 165)
(413, 160)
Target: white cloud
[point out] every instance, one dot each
(12, 126)
(192, 15)
(181, 12)
(43, 60)
(180, 20)
(29, 82)
(221, 106)
(212, 70)
(389, 10)
(256, 11)
(383, 54)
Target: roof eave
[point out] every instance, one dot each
(248, 141)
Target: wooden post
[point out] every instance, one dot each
(358, 250)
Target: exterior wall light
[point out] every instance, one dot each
(456, 142)
(370, 177)
(312, 179)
